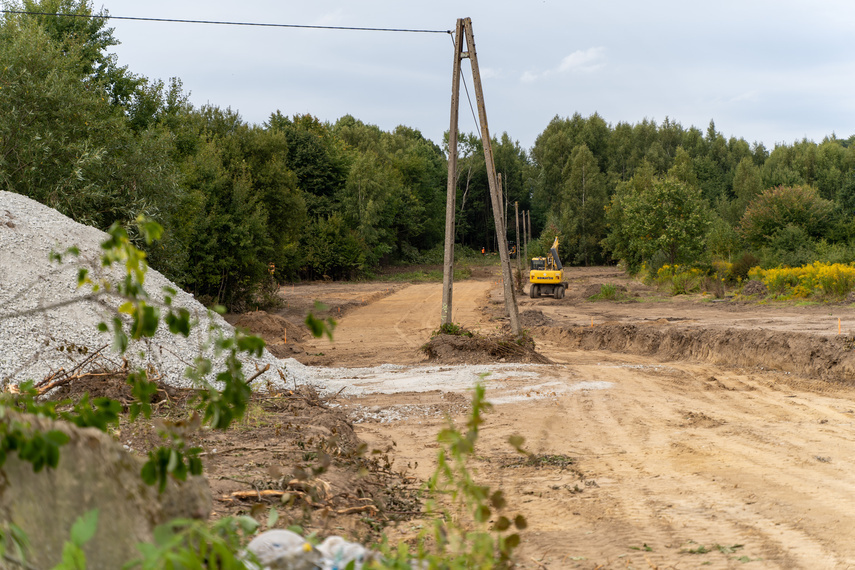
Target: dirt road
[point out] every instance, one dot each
(638, 462)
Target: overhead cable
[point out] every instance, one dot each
(225, 23)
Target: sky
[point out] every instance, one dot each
(767, 71)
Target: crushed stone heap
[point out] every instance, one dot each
(48, 324)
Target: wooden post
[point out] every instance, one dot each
(525, 237)
(510, 294)
(519, 242)
(451, 190)
(529, 226)
(503, 231)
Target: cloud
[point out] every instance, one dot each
(583, 61)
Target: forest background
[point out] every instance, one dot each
(87, 136)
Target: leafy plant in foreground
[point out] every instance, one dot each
(462, 536)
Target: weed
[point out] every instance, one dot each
(452, 329)
(714, 285)
(818, 279)
(643, 547)
(464, 538)
(608, 292)
(728, 549)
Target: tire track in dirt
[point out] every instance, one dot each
(392, 329)
(673, 464)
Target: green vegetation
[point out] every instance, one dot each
(245, 206)
(819, 280)
(608, 292)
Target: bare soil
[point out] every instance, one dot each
(667, 432)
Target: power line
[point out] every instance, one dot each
(468, 97)
(225, 23)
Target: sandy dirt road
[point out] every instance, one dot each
(637, 462)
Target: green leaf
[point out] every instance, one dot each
(149, 472)
(498, 501)
(57, 437)
(179, 323)
(272, 517)
(251, 344)
(84, 527)
(502, 524)
(148, 321)
(120, 339)
(520, 522)
(517, 442)
(482, 513)
(512, 541)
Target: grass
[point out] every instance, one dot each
(608, 292)
(255, 416)
(424, 276)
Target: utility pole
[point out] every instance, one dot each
(529, 226)
(464, 27)
(451, 190)
(510, 294)
(519, 242)
(527, 231)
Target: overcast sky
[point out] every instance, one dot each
(768, 71)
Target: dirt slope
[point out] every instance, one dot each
(641, 460)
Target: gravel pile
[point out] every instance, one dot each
(48, 324)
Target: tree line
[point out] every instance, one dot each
(298, 198)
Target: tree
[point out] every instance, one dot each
(316, 156)
(87, 36)
(229, 242)
(654, 215)
(782, 206)
(747, 184)
(582, 206)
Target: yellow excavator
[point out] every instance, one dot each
(547, 275)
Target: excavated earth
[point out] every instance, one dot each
(663, 432)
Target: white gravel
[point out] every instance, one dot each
(48, 324)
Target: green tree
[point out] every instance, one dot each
(658, 215)
(582, 207)
(229, 243)
(87, 36)
(747, 185)
(316, 156)
(777, 208)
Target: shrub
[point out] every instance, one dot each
(740, 268)
(714, 285)
(818, 279)
(607, 291)
(782, 206)
(681, 280)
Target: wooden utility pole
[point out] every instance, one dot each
(519, 242)
(451, 190)
(527, 231)
(464, 27)
(510, 294)
(503, 231)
